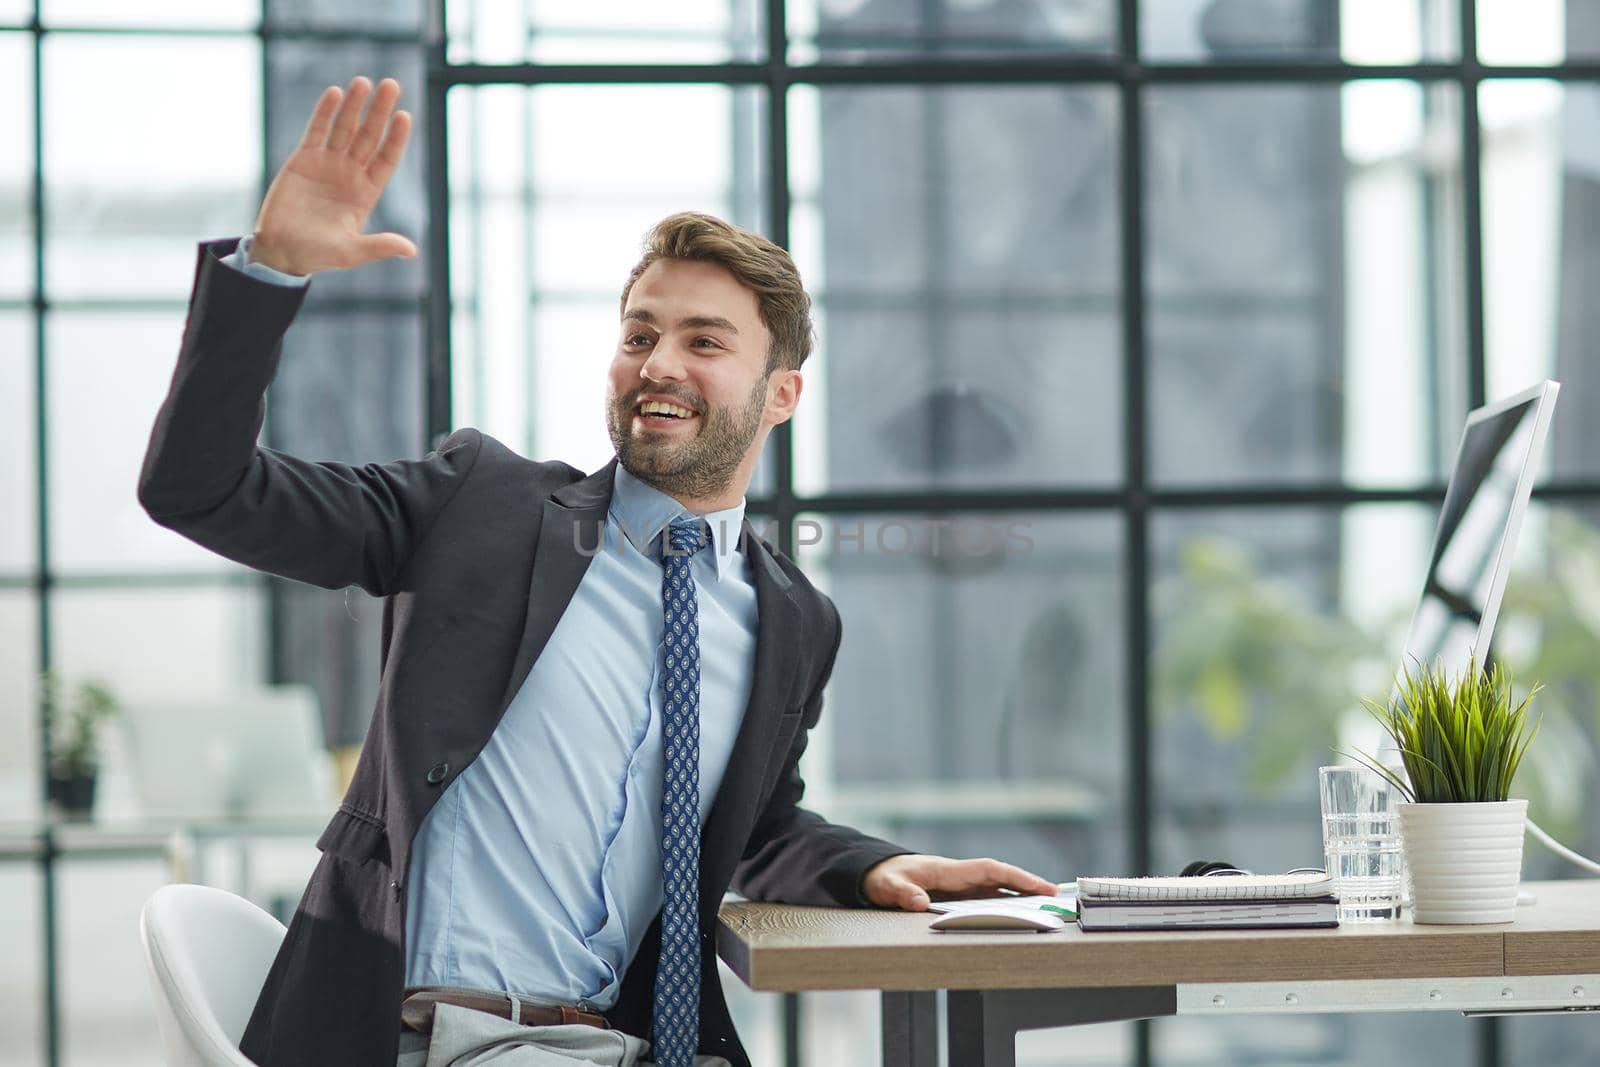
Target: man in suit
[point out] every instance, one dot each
(595, 689)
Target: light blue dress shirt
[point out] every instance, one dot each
(539, 869)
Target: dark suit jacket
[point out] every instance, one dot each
(475, 550)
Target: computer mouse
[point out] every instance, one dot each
(998, 921)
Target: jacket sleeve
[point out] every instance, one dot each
(795, 855)
(205, 476)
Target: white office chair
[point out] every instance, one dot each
(208, 953)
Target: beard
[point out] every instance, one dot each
(702, 466)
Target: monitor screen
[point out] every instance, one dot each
(1477, 532)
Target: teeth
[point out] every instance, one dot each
(656, 407)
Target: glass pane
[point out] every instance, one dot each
(1268, 628)
(105, 1002)
(1352, 31)
(22, 981)
(546, 221)
(1541, 208)
(16, 165)
(16, 12)
(1367, 1040)
(1550, 1042)
(390, 16)
(846, 30)
(19, 712)
(1304, 293)
(19, 472)
(1548, 629)
(153, 643)
(225, 14)
(152, 648)
(349, 387)
(974, 706)
(1534, 32)
(961, 245)
(109, 373)
(126, 198)
(623, 31)
(1547, 633)
(298, 71)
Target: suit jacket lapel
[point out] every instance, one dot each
(777, 644)
(569, 537)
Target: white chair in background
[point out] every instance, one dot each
(208, 952)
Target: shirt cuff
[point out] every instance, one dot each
(239, 260)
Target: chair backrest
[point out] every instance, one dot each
(208, 952)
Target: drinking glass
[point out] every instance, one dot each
(1361, 842)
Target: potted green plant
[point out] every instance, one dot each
(74, 719)
(1461, 740)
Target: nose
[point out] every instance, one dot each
(664, 364)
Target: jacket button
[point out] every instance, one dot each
(438, 774)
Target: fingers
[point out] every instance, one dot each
(385, 246)
(376, 121)
(986, 877)
(387, 157)
(322, 117)
(344, 123)
(907, 895)
(1004, 874)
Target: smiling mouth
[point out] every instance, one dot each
(661, 413)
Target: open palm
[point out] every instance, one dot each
(315, 210)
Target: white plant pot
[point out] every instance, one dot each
(1464, 860)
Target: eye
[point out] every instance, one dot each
(707, 342)
(637, 340)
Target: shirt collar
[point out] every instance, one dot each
(643, 511)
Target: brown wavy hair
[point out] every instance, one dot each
(760, 265)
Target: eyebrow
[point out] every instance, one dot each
(693, 322)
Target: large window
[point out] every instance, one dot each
(1146, 332)
(1146, 329)
(131, 132)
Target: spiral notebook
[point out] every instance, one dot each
(1209, 887)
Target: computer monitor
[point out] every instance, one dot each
(1477, 533)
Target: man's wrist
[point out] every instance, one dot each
(261, 250)
(245, 259)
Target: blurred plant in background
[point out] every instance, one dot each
(1272, 673)
(1549, 629)
(1255, 659)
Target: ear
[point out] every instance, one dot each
(783, 395)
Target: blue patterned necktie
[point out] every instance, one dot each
(677, 997)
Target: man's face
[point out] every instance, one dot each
(689, 402)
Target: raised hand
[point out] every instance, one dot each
(315, 209)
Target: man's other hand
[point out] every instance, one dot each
(909, 882)
(316, 207)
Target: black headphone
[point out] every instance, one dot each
(1200, 867)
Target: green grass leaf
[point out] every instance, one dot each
(1461, 739)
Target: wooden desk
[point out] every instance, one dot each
(1548, 960)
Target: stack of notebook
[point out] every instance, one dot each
(1207, 902)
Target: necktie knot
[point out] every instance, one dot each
(686, 536)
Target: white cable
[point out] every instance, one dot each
(1562, 850)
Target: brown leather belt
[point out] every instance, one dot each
(418, 1003)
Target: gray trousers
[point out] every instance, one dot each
(466, 1038)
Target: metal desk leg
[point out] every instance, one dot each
(982, 1026)
(910, 1030)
